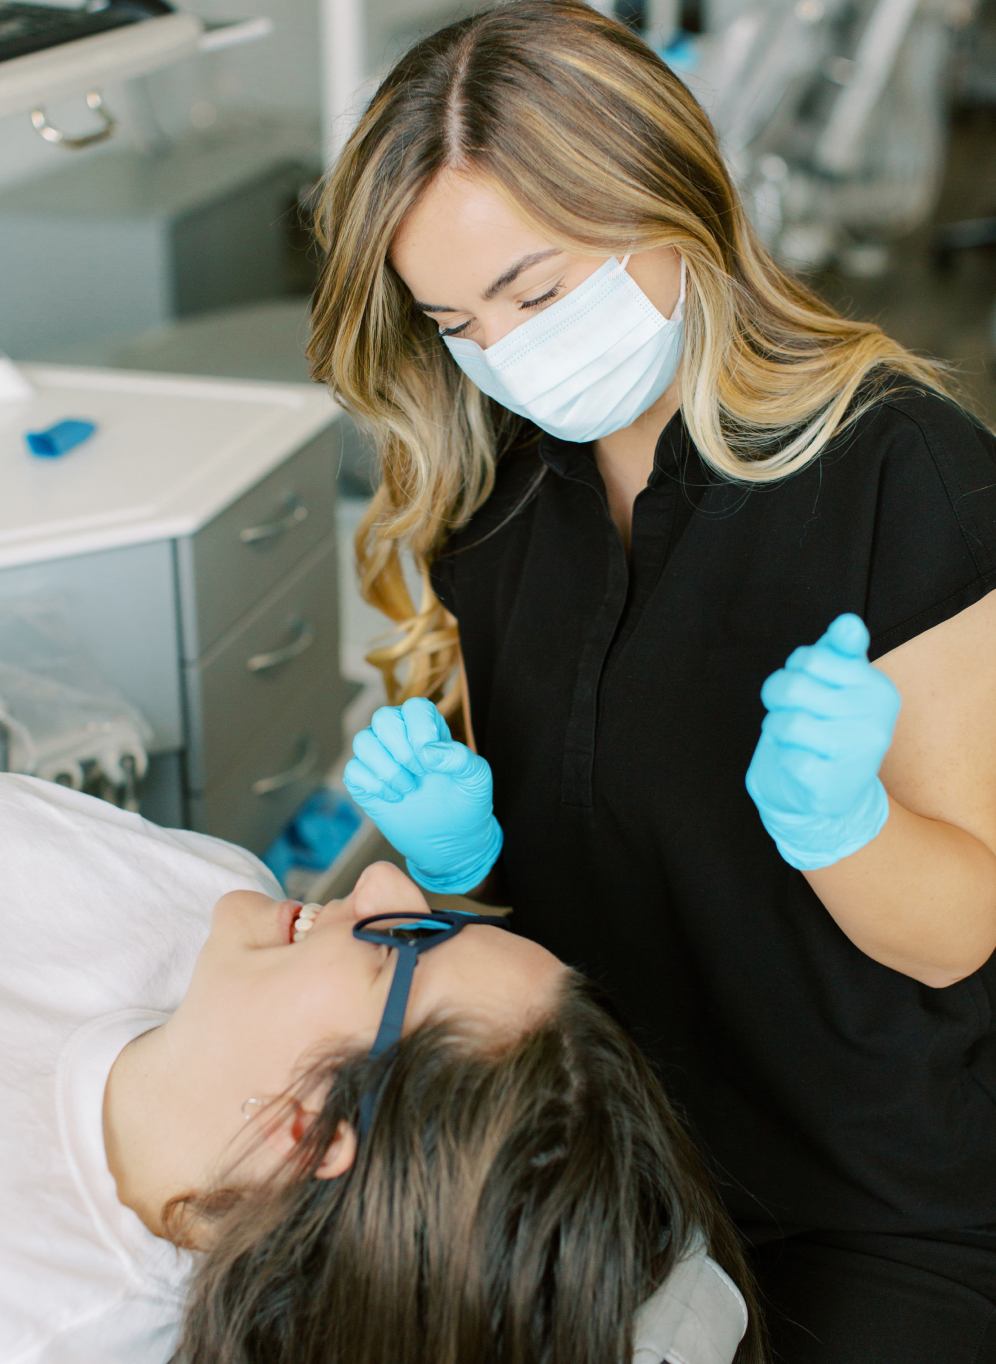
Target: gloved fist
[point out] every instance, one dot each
(814, 773)
(428, 795)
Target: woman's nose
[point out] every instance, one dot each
(382, 887)
(493, 331)
(491, 335)
(494, 321)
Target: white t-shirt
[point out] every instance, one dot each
(102, 916)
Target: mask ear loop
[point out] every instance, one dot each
(679, 307)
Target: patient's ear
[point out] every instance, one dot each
(339, 1154)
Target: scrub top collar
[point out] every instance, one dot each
(574, 461)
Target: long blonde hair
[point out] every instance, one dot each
(599, 145)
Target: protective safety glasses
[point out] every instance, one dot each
(409, 935)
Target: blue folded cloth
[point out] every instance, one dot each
(315, 835)
(60, 438)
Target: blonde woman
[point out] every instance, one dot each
(640, 468)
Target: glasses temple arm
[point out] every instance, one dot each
(397, 1001)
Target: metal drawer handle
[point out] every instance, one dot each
(295, 514)
(306, 636)
(304, 766)
(95, 101)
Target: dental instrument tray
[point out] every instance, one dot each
(28, 28)
(49, 52)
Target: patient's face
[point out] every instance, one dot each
(259, 1003)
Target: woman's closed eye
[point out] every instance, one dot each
(526, 303)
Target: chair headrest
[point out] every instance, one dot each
(697, 1316)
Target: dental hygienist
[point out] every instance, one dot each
(719, 564)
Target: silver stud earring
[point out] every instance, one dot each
(250, 1108)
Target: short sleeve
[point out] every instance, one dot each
(441, 578)
(934, 547)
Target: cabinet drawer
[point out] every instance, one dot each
(254, 801)
(233, 561)
(287, 646)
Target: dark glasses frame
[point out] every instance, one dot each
(409, 934)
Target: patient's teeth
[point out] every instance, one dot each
(305, 920)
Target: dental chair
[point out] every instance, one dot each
(697, 1316)
(833, 118)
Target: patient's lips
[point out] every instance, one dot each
(304, 922)
(287, 912)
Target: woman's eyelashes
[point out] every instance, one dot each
(527, 303)
(543, 298)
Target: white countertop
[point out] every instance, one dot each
(170, 452)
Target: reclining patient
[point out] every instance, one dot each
(202, 1160)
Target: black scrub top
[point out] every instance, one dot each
(617, 701)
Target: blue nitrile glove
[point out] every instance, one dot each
(428, 795)
(814, 773)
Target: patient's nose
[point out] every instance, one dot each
(383, 887)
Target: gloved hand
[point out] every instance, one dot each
(428, 795)
(814, 773)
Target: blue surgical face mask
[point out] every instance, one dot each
(588, 365)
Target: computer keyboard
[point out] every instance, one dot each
(32, 28)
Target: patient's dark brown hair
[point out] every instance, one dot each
(510, 1205)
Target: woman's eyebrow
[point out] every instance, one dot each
(502, 282)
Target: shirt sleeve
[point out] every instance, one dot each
(135, 1327)
(441, 578)
(934, 549)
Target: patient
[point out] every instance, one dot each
(187, 1172)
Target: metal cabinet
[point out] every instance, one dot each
(224, 632)
(259, 652)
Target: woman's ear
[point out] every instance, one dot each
(339, 1154)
